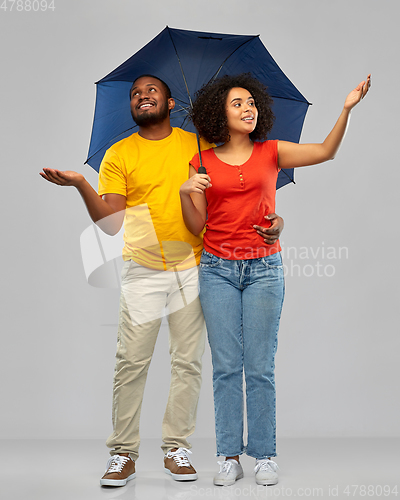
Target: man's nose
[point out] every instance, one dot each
(144, 95)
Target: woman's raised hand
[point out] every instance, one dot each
(357, 94)
(196, 184)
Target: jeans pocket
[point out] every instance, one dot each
(209, 260)
(273, 261)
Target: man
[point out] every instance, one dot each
(139, 183)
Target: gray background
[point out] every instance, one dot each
(337, 372)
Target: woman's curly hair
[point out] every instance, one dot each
(209, 115)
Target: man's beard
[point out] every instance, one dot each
(152, 118)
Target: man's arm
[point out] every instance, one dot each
(272, 233)
(107, 212)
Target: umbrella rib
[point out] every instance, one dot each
(190, 99)
(290, 99)
(180, 65)
(184, 121)
(180, 109)
(237, 48)
(288, 176)
(113, 141)
(180, 100)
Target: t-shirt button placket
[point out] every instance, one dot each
(241, 178)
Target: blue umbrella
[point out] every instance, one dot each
(186, 60)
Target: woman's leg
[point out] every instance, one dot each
(262, 305)
(221, 302)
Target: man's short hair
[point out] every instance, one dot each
(164, 85)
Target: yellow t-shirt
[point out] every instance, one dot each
(150, 173)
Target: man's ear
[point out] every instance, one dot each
(171, 103)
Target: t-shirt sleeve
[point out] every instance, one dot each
(112, 175)
(195, 162)
(274, 153)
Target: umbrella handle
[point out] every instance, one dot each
(201, 169)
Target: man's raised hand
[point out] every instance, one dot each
(62, 178)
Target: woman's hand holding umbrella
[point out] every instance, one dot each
(196, 184)
(194, 216)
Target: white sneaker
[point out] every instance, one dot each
(229, 471)
(265, 470)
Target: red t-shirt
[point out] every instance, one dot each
(240, 196)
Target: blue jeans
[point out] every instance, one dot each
(242, 302)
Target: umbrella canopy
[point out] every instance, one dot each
(186, 60)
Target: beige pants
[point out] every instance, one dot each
(146, 296)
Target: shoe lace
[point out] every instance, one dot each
(180, 457)
(225, 466)
(266, 465)
(116, 463)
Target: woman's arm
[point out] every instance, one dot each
(193, 201)
(291, 155)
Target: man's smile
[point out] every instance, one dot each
(145, 105)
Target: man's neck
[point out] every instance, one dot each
(156, 132)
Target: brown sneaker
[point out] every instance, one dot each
(119, 471)
(177, 463)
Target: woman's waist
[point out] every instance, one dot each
(237, 248)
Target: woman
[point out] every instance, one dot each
(241, 279)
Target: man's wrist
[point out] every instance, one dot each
(81, 184)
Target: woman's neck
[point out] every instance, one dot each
(236, 151)
(237, 144)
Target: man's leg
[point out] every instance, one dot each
(186, 342)
(143, 298)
